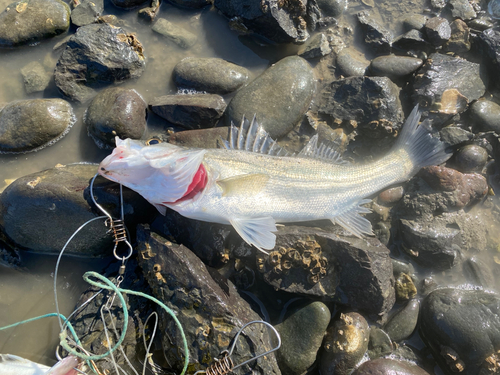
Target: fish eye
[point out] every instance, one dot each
(152, 141)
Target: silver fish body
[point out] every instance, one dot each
(248, 186)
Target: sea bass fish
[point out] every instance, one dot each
(251, 183)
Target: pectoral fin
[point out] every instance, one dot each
(256, 231)
(351, 221)
(247, 184)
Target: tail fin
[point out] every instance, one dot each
(422, 148)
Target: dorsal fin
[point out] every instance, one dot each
(322, 151)
(250, 136)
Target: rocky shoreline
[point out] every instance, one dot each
(421, 296)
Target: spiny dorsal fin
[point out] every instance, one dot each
(323, 152)
(250, 136)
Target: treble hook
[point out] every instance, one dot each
(225, 365)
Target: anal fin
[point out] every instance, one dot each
(256, 231)
(351, 220)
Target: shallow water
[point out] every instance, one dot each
(25, 294)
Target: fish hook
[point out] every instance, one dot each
(225, 365)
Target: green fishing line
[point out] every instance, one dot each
(108, 285)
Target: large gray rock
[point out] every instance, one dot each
(213, 75)
(446, 85)
(301, 334)
(489, 44)
(455, 321)
(116, 112)
(29, 21)
(330, 264)
(207, 305)
(279, 97)
(277, 21)
(193, 111)
(434, 227)
(346, 100)
(98, 54)
(30, 125)
(40, 211)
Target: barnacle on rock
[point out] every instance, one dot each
(306, 254)
(274, 258)
(452, 359)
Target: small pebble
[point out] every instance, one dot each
(404, 322)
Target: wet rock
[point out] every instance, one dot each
(35, 77)
(389, 366)
(454, 135)
(128, 4)
(116, 112)
(149, 14)
(30, 125)
(192, 111)
(301, 334)
(364, 282)
(414, 21)
(462, 9)
(318, 263)
(332, 8)
(213, 75)
(394, 67)
(380, 343)
(87, 12)
(402, 324)
(439, 243)
(459, 38)
(29, 21)
(470, 158)
(98, 54)
(279, 22)
(345, 100)
(391, 195)
(376, 35)
(345, 343)
(447, 84)
(279, 97)
(399, 267)
(486, 115)
(316, 47)
(454, 319)
(477, 271)
(434, 228)
(200, 138)
(405, 288)
(42, 210)
(178, 35)
(351, 62)
(207, 305)
(191, 4)
(488, 44)
(412, 40)
(438, 30)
